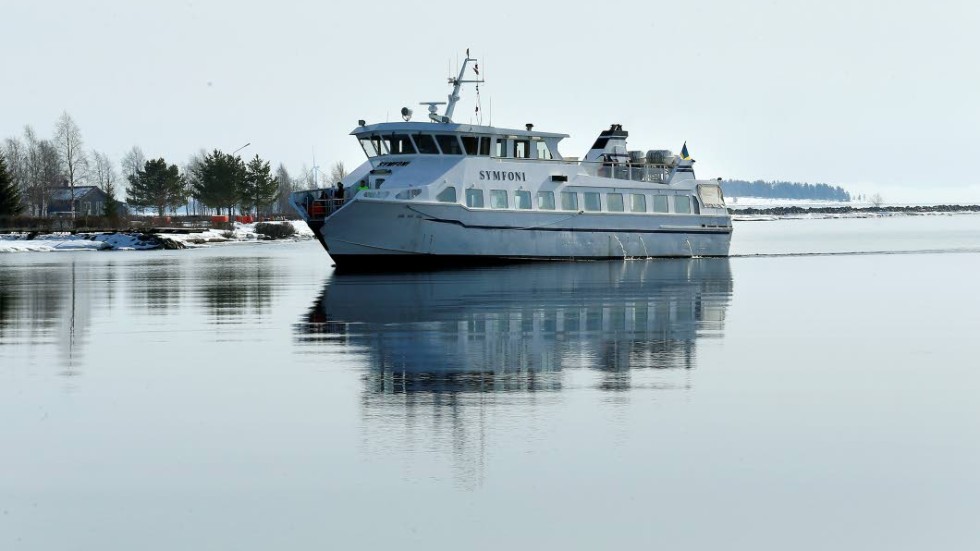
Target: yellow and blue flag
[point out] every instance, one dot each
(684, 154)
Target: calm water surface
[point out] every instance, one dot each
(246, 397)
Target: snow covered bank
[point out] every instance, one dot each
(239, 234)
(136, 241)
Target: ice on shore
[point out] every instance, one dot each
(135, 241)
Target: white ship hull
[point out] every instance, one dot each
(371, 233)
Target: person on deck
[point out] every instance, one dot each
(363, 186)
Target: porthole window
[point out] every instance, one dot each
(447, 195)
(522, 199)
(474, 198)
(682, 204)
(569, 200)
(546, 200)
(614, 202)
(498, 198)
(592, 202)
(638, 202)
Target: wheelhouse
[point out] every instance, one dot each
(383, 140)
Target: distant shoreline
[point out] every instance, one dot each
(872, 211)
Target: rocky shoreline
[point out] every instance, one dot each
(148, 240)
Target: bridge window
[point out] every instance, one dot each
(546, 200)
(569, 200)
(485, 143)
(501, 149)
(371, 145)
(471, 144)
(447, 195)
(638, 202)
(474, 198)
(522, 199)
(592, 201)
(660, 203)
(614, 202)
(449, 144)
(542, 150)
(498, 199)
(398, 144)
(522, 149)
(426, 144)
(682, 204)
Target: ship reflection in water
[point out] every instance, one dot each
(517, 328)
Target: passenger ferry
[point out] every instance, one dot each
(443, 193)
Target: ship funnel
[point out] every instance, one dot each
(610, 145)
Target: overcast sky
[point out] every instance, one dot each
(874, 96)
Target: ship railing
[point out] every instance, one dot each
(316, 204)
(636, 172)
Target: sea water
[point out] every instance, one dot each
(818, 390)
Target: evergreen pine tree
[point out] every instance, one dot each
(10, 200)
(110, 209)
(218, 181)
(157, 185)
(259, 188)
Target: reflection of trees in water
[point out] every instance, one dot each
(237, 286)
(32, 297)
(155, 286)
(51, 303)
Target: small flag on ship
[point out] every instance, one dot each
(476, 68)
(684, 154)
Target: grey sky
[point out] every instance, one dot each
(875, 96)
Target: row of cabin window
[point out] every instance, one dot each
(592, 201)
(450, 144)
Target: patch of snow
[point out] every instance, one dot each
(241, 233)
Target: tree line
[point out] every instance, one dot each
(33, 168)
(784, 190)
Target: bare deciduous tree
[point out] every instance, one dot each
(337, 172)
(103, 172)
(16, 155)
(286, 186)
(132, 162)
(68, 139)
(39, 174)
(309, 178)
(49, 173)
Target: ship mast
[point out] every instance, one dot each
(457, 83)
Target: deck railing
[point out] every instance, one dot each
(317, 203)
(636, 172)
